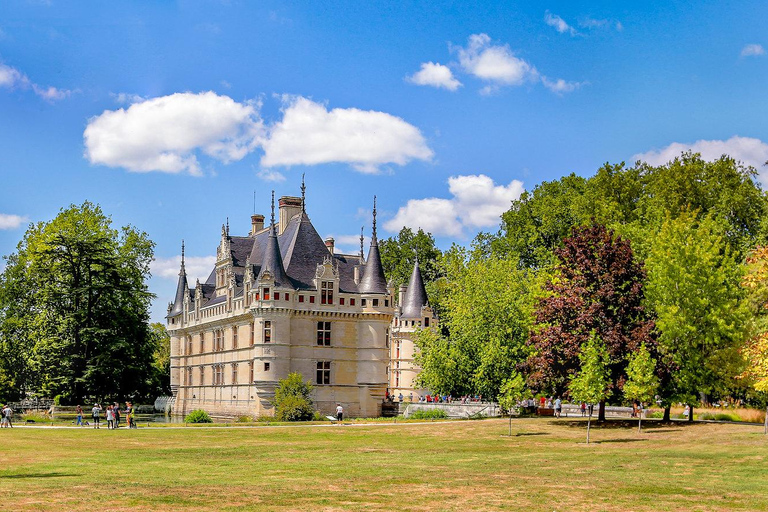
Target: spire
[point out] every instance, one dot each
(303, 195)
(272, 262)
(227, 226)
(415, 296)
(373, 275)
(181, 288)
(182, 270)
(362, 254)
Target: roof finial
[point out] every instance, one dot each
(273, 208)
(227, 226)
(374, 217)
(361, 242)
(182, 256)
(303, 195)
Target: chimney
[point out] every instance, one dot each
(289, 207)
(329, 244)
(357, 275)
(257, 223)
(401, 295)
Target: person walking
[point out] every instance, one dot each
(339, 413)
(7, 415)
(116, 412)
(583, 409)
(79, 416)
(129, 415)
(558, 406)
(96, 413)
(3, 421)
(110, 417)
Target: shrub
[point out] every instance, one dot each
(198, 416)
(720, 416)
(429, 414)
(244, 419)
(292, 399)
(319, 417)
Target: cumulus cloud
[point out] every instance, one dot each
(163, 134)
(560, 86)
(12, 78)
(9, 221)
(310, 134)
(124, 98)
(553, 20)
(270, 175)
(747, 150)
(476, 202)
(435, 75)
(494, 63)
(752, 50)
(198, 267)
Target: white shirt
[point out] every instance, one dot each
(339, 410)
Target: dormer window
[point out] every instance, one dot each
(326, 292)
(266, 293)
(426, 321)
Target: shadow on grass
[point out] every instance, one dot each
(627, 440)
(520, 434)
(617, 424)
(39, 475)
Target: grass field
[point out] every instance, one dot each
(467, 465)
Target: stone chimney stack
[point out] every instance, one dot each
(329, 242)
(289, 206)
(257, 223)
(401, 294)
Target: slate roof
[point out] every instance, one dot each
(415, 295)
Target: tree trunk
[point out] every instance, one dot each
(510, 424)
(601, 411)
(690, 413)
(589, 421)
(640, 419)
(667, 414)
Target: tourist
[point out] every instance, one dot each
(400, 397)
(339, 413)
(2, 416)
(558, 407)
(110, 417)
(7, 413)
(129, 415)
(410, 396)
(79, 416)
(583, 409)
(116, 412)
(687, 410)
(96, 413)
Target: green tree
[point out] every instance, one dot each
(513, 390)
(293, 400)
(642, 382)
(161, 358)
(399, 253)
(694, 289)
(591, 383)
(83, 287)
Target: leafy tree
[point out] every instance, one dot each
(590, 385)
(598, 287)
(487, 315)
(162, 358)
(398, 255)
(755, 352)
(86, 303)
(694, 290)
(642, 382)
(293, 401)
(512, 391)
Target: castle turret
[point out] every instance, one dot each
(373, 280)
(272, 263)
(182, 288)
(415, 295)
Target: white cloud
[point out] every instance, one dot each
(350, 244)
(13, 78)
(560, 86)
(124, 98)
(496, 64)
(553, 20)
(309, 134)
(477, 202)
(162, 134)
(435, 75)
(198, 267)
(588, 22)
(747, 150)
(270, 175)
(8, 221)
(752, 50)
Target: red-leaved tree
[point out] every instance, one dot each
(597, 286)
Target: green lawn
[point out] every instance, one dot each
(468, 465)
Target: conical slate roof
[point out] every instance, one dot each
(272, 260)
(373, 273)
(415, 296)
(181, 287)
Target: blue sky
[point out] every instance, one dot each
(171, 114)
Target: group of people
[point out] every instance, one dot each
(7, 415)
(112, 414)
(430, 398)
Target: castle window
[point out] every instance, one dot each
(257, 295)
(397, 379)
(351, 302)
(323, 372)
(218, 375)
(324, 334)
(311, 299)
(341, 300)
(253, 333)
(301, 298)
(386, 303)
(267, 331)
(386, 338)
(397, 350)
(426, 321)
(202, 376)
(234, 373)
(189, 377)
(266, 367)
(277, 296)
(202, 342)
(189, 345)
(250, 372)
(363, 302)
(266, 293)
(375, 303)
(218, 340)
(234, 336)
(326, 292)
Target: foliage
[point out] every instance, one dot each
(642, 382)
(513, 390)
(293, 401)
(429, 414)
(487, 316)
(198, 416)
(693, 288)
(755, 352)
(591, 384)
(162, 358)
(74, 308)
(398, 256)
(597, 288)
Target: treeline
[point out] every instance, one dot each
(74, 313)
(662, 261)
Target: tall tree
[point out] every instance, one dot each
(598, 287)
(755, 351)
(591, 384)
(399, 253)
(88, 305)
(694, 290)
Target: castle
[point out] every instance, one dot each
(281, 300)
